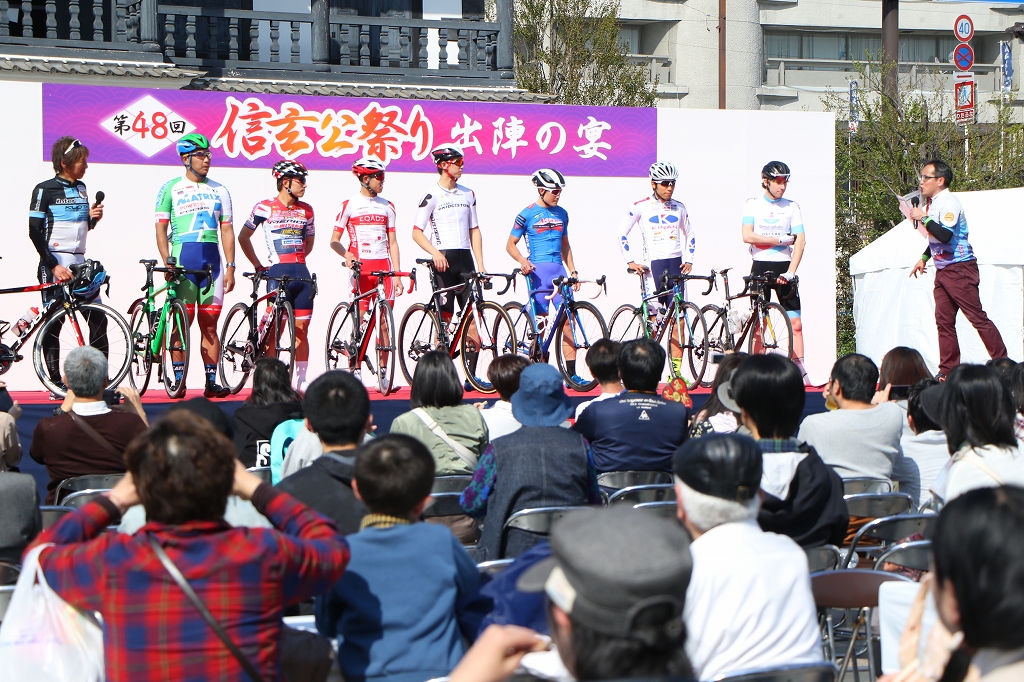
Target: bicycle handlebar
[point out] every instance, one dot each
(394, 273)
(710, 279)
(562, 280)
(172, 268)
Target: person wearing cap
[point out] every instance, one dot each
(637, 430)
(749, 601)
(975, 410)
(539, 465)
(925, 453)
(801, 497)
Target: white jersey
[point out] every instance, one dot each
(666, 229)
(367, 221)
(773, 219)
(447, 216)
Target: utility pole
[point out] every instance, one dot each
(721, 54)
(890, 48)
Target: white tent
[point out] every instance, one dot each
(892, 309)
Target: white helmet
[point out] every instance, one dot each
(548, 178)
(663, 170)
(368, 165)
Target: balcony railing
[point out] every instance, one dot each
(656, 67)
(821, 73)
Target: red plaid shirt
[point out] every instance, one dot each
(244, 576)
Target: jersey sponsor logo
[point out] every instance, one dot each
(664, 219)
(643, 416)
(68, 202)
(425, 200)
(625, 242)
(949, 218)
(369, 219)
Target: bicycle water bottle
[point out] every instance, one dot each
(21, 326)
(735, 324)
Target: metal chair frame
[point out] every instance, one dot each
(9, 573)
(445, 504)
(79, 498)
(639, 494)
(858, 486)
(667, 509)
(805, 672)
(823, 558)
(52, 514)
(88, 482)
(628, 479)
(914, 555)
(451, 484)
(892, 529)
(536, 520)
(878, 505)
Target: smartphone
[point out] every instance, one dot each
(6, 401)
(112, 397)
(899, 392)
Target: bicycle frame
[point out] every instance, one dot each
(379, 293)
(758, 301)
(564, 287)
(171, 287)
(43, 315)
(475, 281)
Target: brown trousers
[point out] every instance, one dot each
(956, 288)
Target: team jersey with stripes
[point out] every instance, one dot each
(544, 228)
(284, 227)
(446, 217)
(58, 218)
(773, 218)
(666, 230)
(194, 209)
(367, 222)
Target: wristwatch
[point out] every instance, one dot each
(229, 265)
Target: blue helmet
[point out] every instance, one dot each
(89, 277)
(191, 143)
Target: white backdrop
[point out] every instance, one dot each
(720, 155)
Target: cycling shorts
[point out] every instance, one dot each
(299, 294)
(460, 262)
(540, 285)
(791, 304)
(367, 282)
(196, 256)
(660, 267)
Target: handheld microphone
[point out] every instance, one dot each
(100, 196)
(915, 202)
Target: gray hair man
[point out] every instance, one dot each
(750, 593)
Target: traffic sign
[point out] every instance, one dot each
(963, 28)
(963, 57)
(963, 92)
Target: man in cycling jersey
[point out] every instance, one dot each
(199, 213)
(669, 241)
(288, 229)
(546, 227)
(774, 228)
(369, 220)
(59, 221)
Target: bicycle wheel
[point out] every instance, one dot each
(176, 342)
(718, 330)
(236, 351)
(282, 332)
(687, 335)
(627, 324)
(384, 348)
(772, 332)
(495, 337)
(586, 326)
(417, 335)
(113, 338)
(341, 348)
(525, 329)
(141, 328)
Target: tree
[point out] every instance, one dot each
(885, 156)
(572, 49)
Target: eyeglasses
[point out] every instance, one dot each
(922, 178)
(75, 144)
(203, 154)
(667, 183)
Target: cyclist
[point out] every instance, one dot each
(669, 241)
(369, 220)
(774, 228)
(446, 227)
(288, 228)
(546, 227)
(59, 221)
(199, 213)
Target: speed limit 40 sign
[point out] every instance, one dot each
(963, 28)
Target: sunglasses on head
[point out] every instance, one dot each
(75, 144)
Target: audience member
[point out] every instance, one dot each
(800, 495)
(455, 433)
(503, 373)
(749, 602)
(1017, 389)
(902, 366)
(540, 465)
(860, 439)
(714, 416)
(974, 408)
(10, 443)
(211, 412)
(637, 430)
(925, 452)
(603, 362)
(271, 402)
(1004, 368)
(20, 520)
(89, 438)
(395, 610)
(182, 471)
(338, 412)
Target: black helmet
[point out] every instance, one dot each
(775, 169)
(446, 152)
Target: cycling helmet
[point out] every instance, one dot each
(447, 152)
(775, 169)
(663, 170)
(548, 178)
(89, 277)
(191, 143)
(289, 169)
(367, 166)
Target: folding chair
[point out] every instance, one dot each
(52, 515)
(451, 484)
(857, 486)
(806, 672)
(891, 529)
(445, 504)
(79, 499)
(907, 554)
(6, 593)
(666, 509)
(638, 494)
(618, 480)
(878, 505)
(262, 472)
(538, 520)
(9, 573)
(824, 558)
(90, 482)
(855, 590)
(493, 567)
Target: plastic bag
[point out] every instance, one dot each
(45, 639)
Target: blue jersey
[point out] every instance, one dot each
(945, 209)
(544, 228)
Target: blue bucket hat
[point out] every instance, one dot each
(540, 400)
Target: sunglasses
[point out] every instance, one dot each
(74, 145)
(376, 176)
(457, 162)
(556, 191)
(667, 183)
(203, 155)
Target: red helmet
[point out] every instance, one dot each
(367, 166)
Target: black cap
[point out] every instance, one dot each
(933, 401)
(615, 570)
(726, 466)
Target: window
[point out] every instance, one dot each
(630, 37)
(854, 46)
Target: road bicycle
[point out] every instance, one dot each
(65, 306)
(349, 331)
(478, 334)
(767, 323)
(245, 337)
(574, 326)
(162, 337)
(680, 327)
